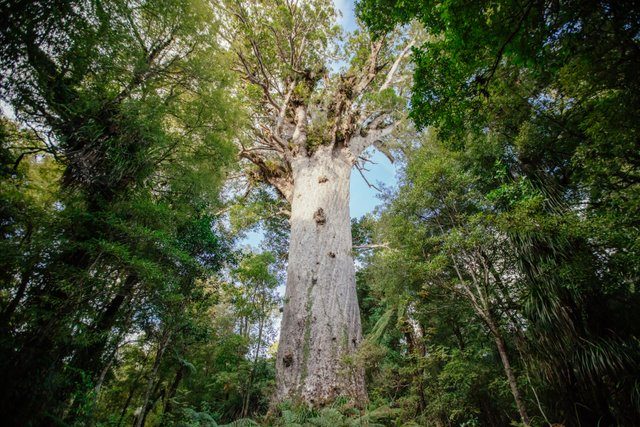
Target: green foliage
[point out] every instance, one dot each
(529, 168)
(108, 202)
(338, 414)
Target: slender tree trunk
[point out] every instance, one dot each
(156, 394)
(162, 346)
(480, 305)
(88, 358)
(25, 277)
(132, 391)
(458, 334)
(511, 378)
(103, 374)
(171, 393)
(6, 315)
(415, 346)
(321, 320)
(247, 396)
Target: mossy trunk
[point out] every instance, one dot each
(321, 321)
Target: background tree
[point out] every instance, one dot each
(254, 300)
(123, 102)
(542, 99)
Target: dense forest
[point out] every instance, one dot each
(144, 142)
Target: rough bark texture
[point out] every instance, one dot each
(321, 322)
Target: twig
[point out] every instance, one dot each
(359, 168)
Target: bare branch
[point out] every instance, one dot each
(394, 68)
(359, 168)
(373, 246)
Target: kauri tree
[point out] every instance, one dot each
(309, 128)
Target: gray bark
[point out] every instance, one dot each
(321, 318)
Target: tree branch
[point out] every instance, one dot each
(371, 69)
(372, 246)
(372, 135)
(277, 175)
(484, 79)
(396, 64)
(359, 168)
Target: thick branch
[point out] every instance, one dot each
(370, 70)
(371, 135)
(299, 138)
(275, 173)
(372, 246)
(373, 131)
(283, 108)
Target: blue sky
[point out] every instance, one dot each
(348, 19)
(363, 198)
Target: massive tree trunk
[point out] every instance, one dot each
(321, 320)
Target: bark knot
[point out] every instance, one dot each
(332, 254)
(287, 360)
(320, 217)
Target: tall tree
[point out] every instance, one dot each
(543, 97)
(309, 128)
(121, 96)
(464, 252)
